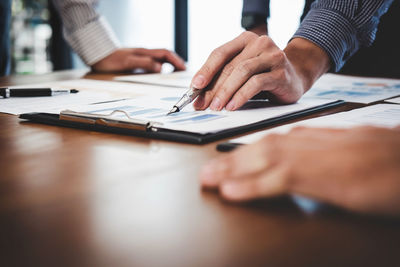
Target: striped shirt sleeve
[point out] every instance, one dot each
(86, 31)
(341, 27)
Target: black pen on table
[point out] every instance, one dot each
(31, 92)
(187, 98)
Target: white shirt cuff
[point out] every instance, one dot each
(93, 42)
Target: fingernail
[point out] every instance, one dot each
(215, 104)
(198, 81)
(231, 105)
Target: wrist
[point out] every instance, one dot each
(260, 29)
(309, 60)
(252, 20)
(106, 62)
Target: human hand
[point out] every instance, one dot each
(150, 60)
(357, 169)
(250, 64)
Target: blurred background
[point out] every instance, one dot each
(38, 46)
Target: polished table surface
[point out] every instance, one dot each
(76, 198)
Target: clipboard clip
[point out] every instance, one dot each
(108, 120)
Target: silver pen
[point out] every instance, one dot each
(187, 98)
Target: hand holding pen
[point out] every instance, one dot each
(186, 99)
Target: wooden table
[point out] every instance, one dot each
(76, 198)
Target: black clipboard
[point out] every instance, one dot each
(148, 129)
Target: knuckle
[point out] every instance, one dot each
(279, 56)
(228, 69)
(248, 35)
(264, 41)
(256, 81)
(245, 68)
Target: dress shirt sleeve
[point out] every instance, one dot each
(341, 27)
(256, 7)
(86, 31)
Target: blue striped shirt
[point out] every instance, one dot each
(340, 27)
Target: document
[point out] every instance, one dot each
(354, 89)
(188, 120)
(180, 79)
(90, 92)
(382, 115)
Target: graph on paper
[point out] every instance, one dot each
(354, 89)
(158, 114)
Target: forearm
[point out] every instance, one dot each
(341, 27)
(85, 30)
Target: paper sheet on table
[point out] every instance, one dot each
(382, 115)
(90, 91)
(395, 100)
(203, 122)
(180, 79)
(329, 86)
(354, 89)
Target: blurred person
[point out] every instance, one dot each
(357, 169)
(91, 37)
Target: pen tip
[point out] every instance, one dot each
(74, 91)
(173, 110)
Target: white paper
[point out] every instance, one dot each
(90, 91)
(180, 79)
(382, 115)
(188, 120)
(354, 89)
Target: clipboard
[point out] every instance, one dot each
(149, 129)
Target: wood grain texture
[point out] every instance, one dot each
(76, 198)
